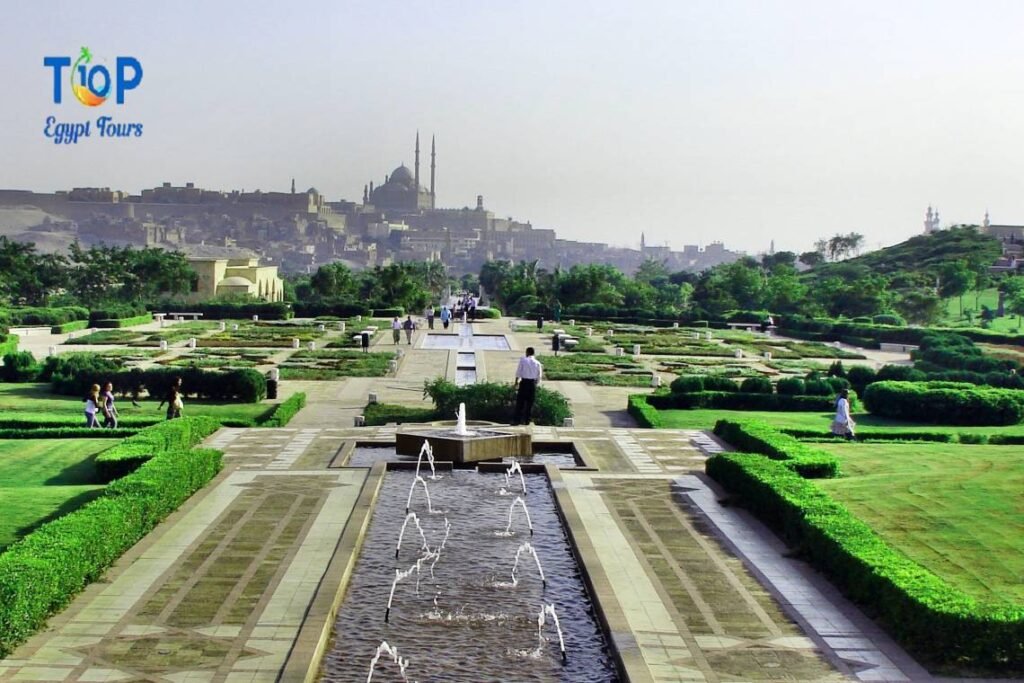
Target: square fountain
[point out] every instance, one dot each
(461, 445)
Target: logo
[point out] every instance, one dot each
(92, 83)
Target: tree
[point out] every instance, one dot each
(812, 258)
(784, 292)
(779, 258)
(919, 306)
(334, 281)
(956, 279)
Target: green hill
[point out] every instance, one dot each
(918, 260)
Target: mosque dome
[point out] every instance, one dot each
(235, 281)
(401, 175)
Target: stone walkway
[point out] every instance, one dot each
(233, 584)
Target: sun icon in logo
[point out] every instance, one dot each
(84, 86)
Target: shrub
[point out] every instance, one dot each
(817, 387)
(120, 312)
(685, 384)
(899, 373)
(393, 312)
(40, 574)
(57, 315)
(791, 386)
(8, 342)
(719, 383)
(889, 319)
(123, 322)
(20, 366)
(337, 309)
(837, 369)
(385, 413)
(286, 410)
(859, 377)
(758, 437)
(32, 430)
(225, 310)
(945, 403)
(72, 326)
(756, 385)
(734, 400)
(487, 313)
(494, 402)
(172, 435)
(643, 412)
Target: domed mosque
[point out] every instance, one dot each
(401, 190)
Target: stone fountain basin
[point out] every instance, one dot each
(483, 444)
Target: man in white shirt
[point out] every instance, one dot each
(528, 375)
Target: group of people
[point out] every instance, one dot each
(100, 401)
(446, 316)
(398, 325)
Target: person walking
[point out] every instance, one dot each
(409, 326)
(446, 317)
(843, 425)
(528, 375)
(92, 405)
(109, 409)
(396, 330)
(173, 400)
(430, 317)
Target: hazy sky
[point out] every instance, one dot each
(691, 121)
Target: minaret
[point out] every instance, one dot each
(986, 223)
(433, 165)
(293, 185)
(643, 242)
(366, 195)
(928, 221)
(417, 170)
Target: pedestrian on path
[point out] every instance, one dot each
(173, 400)
(396, 330)
(430, 317)
(109, 409)
(528, 375)
(92, 405)
(446, 317)
(843, 425)
(409, 326)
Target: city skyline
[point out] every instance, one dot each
(742, 122)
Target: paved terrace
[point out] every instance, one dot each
(222, 589)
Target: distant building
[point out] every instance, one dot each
(931, 221)
(225, 276)
(401, 190)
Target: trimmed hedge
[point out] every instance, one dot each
(172, 435)
(338, 309)
(8, 343)
(285, 411)
(117, 312)
(394, 312)
(924, 613)
(41, 573)
(109, 323)
(756, 385)
(72, 326)
(487, 313)
(494, 402)
(30, 316)
(19, 366)
(735, 400)
(945, 403)
(643, 412)
(758, 437)
(72, 374)
(221, 310)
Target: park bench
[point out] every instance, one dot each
(176, 316)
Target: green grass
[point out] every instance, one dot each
(705, 419)
(106, 337)
(34, 404)
(331, 364)
(953, 508)
(44, 478)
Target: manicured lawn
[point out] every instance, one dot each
(33, 403)
(597, 368)
(44, 478)
(328, 364)
(705, 419)
(955, 509)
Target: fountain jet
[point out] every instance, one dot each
(460, 422)
(512, 508)
(428, 451)
(549, 609)
(426, 492)
(423, 537)
(515, 467)
(528, 548)
(391, 652)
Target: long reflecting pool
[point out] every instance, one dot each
(479, 342)
(464, 617)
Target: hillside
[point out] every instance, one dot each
(919, 258)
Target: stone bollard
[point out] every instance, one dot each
(192, 343)
(359, 421)
(707, 335)
(52, 351)
(569, 423)
(636, 349)
(393, 366)
(295, 343)
(373, 397)
(163, 345)
(321, 327)
(341, 326)
(255, 318)
(590, 331)
(275, 374)
(223, 326)
(572, 322)
(767, 355)
(400, 353)
(311, 346)
(675, 326)
(234, 327)
(655, 381)
(738, 354)
(161, 322)
(359, 318)
(618, 351)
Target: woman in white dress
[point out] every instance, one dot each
(843, 425)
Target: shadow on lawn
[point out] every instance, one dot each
(70, 505)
